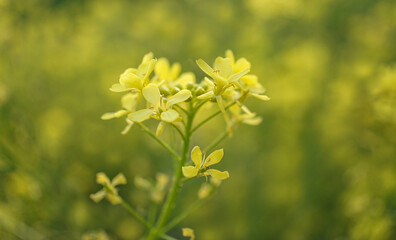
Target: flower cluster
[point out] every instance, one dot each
(163, 88)
(159, 90)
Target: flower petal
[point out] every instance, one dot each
(190, 171)
(141, 115)
(188, 232)
(97, 197)
(118, 88)
(237, 76)
(205, 96)
(119, 179)
(128, 127)
(218, 174)
(152, 94)
(179, 97)
(160, 129)
(130, 80)
(169, 116)
(214, 157)
(120, 113)
(129, 101)
(107, 116)
(224, 65)
(205, 67)
(196, 156)
(229, 54)
(261, 97)
(241, 64)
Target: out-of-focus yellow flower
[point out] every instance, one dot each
(136, 79)
(96, 235)
(188, 232)
(202, 164)
(160, 108)
(109, 191)
(207, 189)
(238, 116)
(248, 83)
(171, 78)
(157, 191)
(128, 102)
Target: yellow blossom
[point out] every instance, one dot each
(160, 108)
(188, 232)
(202, 164)
(238, 116)
(157, 191)
(136, 79)
(248, 83)
(128, 102)
(170, 76)
(109, 191)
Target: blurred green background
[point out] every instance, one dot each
(320, 166)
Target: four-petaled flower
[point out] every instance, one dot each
(109, 191)
(160, 108)
(202, 164)
(136, 79)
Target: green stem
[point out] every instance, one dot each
(220, 138)
(183, 215)
(177, 180)
(135, 214)
(152, 212)
(178, 130)
(210, 117)
(165, 145)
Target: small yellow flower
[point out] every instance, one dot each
(238, 116)
(202, 164)
(248, 83)
(128, 102)
(136, 79)
(188, 232)
(157, 191)
(171, 78)
(109, 191)
(160, 109)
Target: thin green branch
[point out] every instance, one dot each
(210, 117)
(152, 212)
(165, 145)
(219, 139)
(183, 215)
(178, 130)
(167, 237)
(184, 110)
(200, 105)
(135, 214)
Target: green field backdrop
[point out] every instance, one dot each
(322, 165)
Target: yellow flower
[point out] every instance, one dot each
(242, 117)
(224, 82)
(128, 102)
(248, 83)
(136, 79)
(160, 109)
(188, 232)
(109, 191)
(157, 191)
(170, 76)
(202, 164)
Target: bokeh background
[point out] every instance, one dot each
(320, 166)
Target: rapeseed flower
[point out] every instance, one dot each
(109, 190)
(159, 108)
(202, 164)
